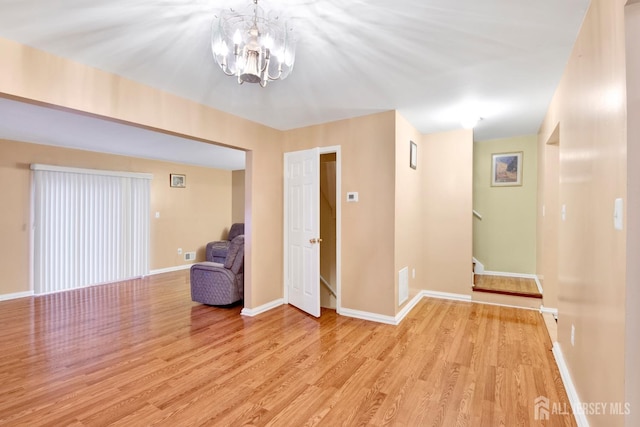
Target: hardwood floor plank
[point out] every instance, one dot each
(142, 353)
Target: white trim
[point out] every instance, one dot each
(366, 315)
(251, 312)
(170, 269)
(446, 295)
(6, 297)
(389, 320)
(572, 393)
(407, 308)
(538, 284)
(479, 267)
(507, 274)
(51, 168)
(549, 310)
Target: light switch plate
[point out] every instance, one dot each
(352, 196)
(618, 214)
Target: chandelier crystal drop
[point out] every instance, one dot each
(253, 46)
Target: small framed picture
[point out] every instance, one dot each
(506, 169)
(178, 180)
(413, 155)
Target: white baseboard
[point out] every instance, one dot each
(446, 295)
(507, 274)
(407, 308)
(395, 320)
(6, 297)
(538, 284)
(574, 400)
(549, 310)
(251, 312)
(366, 315)
(170, 269)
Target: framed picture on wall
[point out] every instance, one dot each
(413, 155)
(178, 180)
(506, 169)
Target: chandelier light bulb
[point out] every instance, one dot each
(267, 41)
(237, 38)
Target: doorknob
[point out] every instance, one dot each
(312, 241)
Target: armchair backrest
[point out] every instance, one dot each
(235, 257)
(236, 230)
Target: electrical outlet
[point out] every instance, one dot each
(573, 335)
(413, 273)
(179, 251)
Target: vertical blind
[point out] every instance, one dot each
(89, 227)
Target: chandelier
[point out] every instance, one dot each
(254, 46)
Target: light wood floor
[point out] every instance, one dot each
(517, 286)
(141, 353)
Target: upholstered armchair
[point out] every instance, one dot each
(217, 251)
(215, 283)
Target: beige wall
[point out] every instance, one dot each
(35, 76)
(632, 324)
(409, 220)
(238, 195)
(367, 153)
(505, 238)
(445, 161)
(189, 217)
(548, 218)
(589, 106)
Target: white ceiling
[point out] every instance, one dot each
(429, 59)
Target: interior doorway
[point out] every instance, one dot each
(328, 275)
(312, 229)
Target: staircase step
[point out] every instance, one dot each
(511, 300)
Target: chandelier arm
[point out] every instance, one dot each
(268, 76)
(267, 61)
(227, 72)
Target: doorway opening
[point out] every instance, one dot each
(312, 229)
(328, 293)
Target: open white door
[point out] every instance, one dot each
(302, 229)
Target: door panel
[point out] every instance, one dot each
(302, 222)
